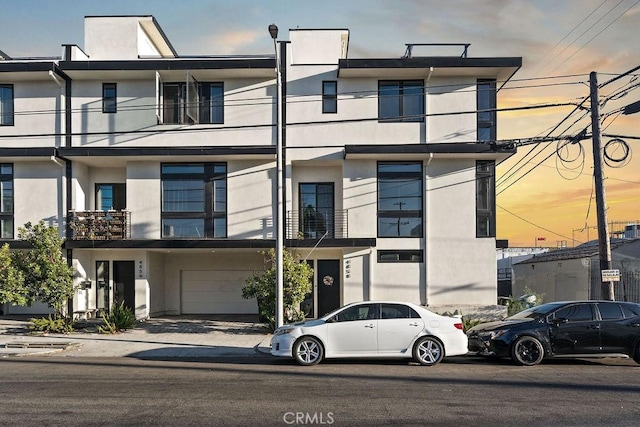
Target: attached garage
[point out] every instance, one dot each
(215, 292)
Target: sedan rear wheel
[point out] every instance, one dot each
(636, 354)
(527, 351)
(428, 351)
(308, 351)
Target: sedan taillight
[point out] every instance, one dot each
(458, 325)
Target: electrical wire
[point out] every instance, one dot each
(531, 223)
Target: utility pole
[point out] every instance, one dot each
(604, 243)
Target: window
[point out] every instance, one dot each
(399, 199)
(400, 256)
(111, 197)
(6, 105)
(610, 311)
(205, 105)
(316, 210)
(630, 311)
(330, 97)
(109, 97)
(401, 101)
(485, 198)
(398, 311)
(194, 200)
(358, 312)
(6, 201)
(486, 100)
(575, 313)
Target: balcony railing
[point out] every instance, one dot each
(99, 225)
(316, 223)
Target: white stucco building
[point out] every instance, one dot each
(160, 169)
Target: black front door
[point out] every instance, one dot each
(125, 283)
(328, 285)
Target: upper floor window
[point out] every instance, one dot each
(317, 210)
(400, 199)
(6, 105)
(111, 197)
(193, 103)
(109, 97)
(194, 200)
(401, 101)
(485, 198)
(330, 96)
(6, 201)
(486, 103)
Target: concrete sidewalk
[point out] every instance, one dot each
(157, 338)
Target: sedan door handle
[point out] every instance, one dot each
(371, 325)
(634, 325)
(413, 324)
(594, 326)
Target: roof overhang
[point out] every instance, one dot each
(201, 69)
(500, 68)
(428, 151)
(113, 156)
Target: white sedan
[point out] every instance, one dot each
(383, 329)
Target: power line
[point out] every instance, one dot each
(535, 225)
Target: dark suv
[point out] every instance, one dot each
(562, 329)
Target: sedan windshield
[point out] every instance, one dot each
(536, 312)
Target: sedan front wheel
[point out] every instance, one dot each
(428, 351)
(308, 351)
(527, 351)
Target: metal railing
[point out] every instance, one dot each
(99, 225)
(316, 223)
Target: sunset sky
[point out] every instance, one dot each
(561, 42)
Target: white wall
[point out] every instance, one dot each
(249, 207)
(144, 199)
(37, 186)
(560, 280)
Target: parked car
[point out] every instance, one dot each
(576, 329)
(383, 329)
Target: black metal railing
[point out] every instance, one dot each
(99, 225)
(316, 224)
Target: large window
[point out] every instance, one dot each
(486, 101)
(485, 198)
(194, 200)
(330, 96)
(6, 105)
(317, 210)
(111, 197)
(401, 101)
(6, 201)
(400, 199)
(109, 97)
(193, 103)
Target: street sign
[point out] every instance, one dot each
(611, 275)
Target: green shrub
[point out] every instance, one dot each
(522, 303)
(120, 318)
(52, 325)
(469, 323)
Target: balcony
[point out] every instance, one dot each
(315, 224)
(99, 225)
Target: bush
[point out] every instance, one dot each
(52, 325)
(120, 318)
(528, 299)
(470, 323)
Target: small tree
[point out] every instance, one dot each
(12, 286)
(47, 277)
(297, 284)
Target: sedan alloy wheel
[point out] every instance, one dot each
(527, 351)
(308, 351)
(428, 351)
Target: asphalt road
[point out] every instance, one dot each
(267, 391)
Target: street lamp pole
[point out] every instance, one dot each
(279, 223)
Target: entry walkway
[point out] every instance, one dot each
(166, 337)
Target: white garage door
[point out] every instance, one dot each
(215, 292)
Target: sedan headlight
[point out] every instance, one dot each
(497, 334)
(284, 331)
